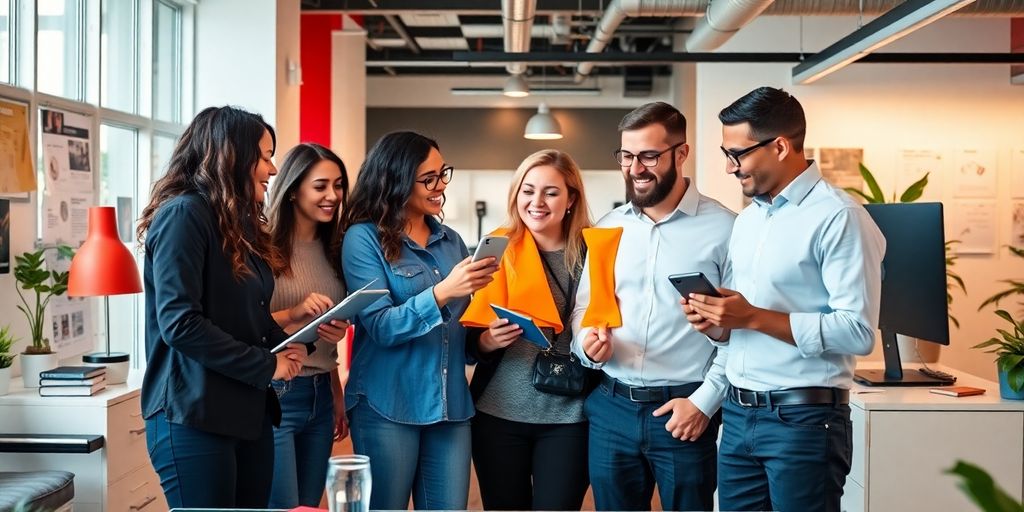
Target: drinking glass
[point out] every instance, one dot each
(348, 483)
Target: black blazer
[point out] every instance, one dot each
(207, 335)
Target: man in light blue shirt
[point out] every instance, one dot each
(805, 262)
(653, 418)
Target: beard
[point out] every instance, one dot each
(758, 185)
(661, 189)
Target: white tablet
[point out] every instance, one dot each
(344, 310)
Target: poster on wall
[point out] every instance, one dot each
(914, 164)
(5, 236)
(17, 175)
(67, 195)
(1017, 172)
(973, 223)
(1017, 228)
(974, 173)
(841, 166)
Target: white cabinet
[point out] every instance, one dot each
(118, 477)
(904, 438)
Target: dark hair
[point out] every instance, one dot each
(771, 113)
(657, 112)
(281, 215)
(384, 185)
(214, 158)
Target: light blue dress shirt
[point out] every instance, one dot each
(408, 355)
(815, 253)
(656, 346)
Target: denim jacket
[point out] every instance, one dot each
(408, 355)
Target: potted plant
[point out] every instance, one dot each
(6, 358)
(1009, 350)
(909, 349)
(983, 490)
(44, 285)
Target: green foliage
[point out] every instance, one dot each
(979, 486)
(1009, 350)
(1016, 286)
(44, 284)
(6, 341)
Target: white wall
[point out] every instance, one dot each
(286, 114)
(884, 108)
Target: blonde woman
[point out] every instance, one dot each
(530, 446)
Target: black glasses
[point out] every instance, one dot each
(444, 176)
(647, 158)
(734, 155)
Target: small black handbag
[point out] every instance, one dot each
(555, 373)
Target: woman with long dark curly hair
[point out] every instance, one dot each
(206, 394)
(407, 398)
(305, 202)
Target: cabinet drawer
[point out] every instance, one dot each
(126, 439)
(139, 491)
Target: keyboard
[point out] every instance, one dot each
(937, 374)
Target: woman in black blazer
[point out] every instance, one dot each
(206, 395)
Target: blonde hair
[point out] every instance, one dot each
(574, 221)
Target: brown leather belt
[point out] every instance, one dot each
(794, 396)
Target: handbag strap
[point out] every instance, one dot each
(569, 297)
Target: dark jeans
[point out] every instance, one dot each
(302, 444)
(790, 457)
(630, 451)
(202, 470)
(526, 466)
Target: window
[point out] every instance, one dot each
(163, 146)
(167, 44)
(118, 188)
(6, 41)
(61, 48)
(119, 68)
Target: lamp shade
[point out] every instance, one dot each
(516, 87)
(543, 126)
(103, 265)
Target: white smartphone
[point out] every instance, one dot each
(491, 246)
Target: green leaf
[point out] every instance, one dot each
(1002, 313)
(955, 321)
(856, 192)
(979, 486)
(1015, 378)
(958, 280)
(914, 191)
(869, 179)
(1008, 362)
(989, 343)
(1017, 251)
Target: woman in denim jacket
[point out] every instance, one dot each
(407, 397)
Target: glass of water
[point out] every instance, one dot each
(348, 483)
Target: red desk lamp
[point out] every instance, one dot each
(103, 266)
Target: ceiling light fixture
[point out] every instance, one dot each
(516, 87)
(543, 126)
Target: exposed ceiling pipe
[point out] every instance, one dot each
(723, 19)
(517, 18)
(404, 34)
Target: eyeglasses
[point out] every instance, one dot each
(647, 158)
(734, 155)
(444, 176)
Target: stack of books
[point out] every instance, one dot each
(73, 381)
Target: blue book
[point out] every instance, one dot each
(73, 372)
(531, 332)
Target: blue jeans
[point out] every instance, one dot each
(199, 469)
(630, 451)
(431, 462)
(790, 457)
(302, 444)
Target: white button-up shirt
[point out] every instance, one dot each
(815, 253)
(656, 346)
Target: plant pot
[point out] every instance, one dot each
(5, 380)
(32, 364)
(927, 352)
(1004, 388)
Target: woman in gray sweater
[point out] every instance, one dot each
(307, 197)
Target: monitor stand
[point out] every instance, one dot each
(893, 374)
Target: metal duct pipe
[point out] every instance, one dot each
(723, 20)
(517, 19)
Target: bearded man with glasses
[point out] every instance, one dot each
(653, 417)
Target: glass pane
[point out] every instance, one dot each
(60, 47)
(118, 55)
(167, 63)
(163, 146)
(118, 186)
(6, 48)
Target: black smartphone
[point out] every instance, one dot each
(693, 282)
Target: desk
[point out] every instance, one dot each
(117, 477)
(903, 439)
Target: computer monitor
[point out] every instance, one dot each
(913, 287)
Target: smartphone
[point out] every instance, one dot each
(693, 282)
(491, 246)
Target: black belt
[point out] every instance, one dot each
(649, 394)
(795, 396)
